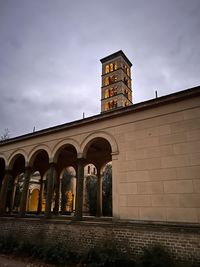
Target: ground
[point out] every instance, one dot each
(11, 261)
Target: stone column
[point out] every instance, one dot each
(50, 187)
(57, 197)
(39, 209)
(99, 193)
(4, 190)
(23, 202)
(79, 190)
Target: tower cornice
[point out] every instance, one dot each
(114, 55)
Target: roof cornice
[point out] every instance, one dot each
(175, 97)
(114, 55)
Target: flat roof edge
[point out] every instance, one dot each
(174, 97)
(114, 55)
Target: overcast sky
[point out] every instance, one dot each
(50, 71)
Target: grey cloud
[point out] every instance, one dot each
(49, 55)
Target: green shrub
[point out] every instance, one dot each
(108, 257)
(8, 244)
(156, 256)
(37, 251)
(56, 253)
(24, 248)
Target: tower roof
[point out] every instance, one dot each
(114, 55)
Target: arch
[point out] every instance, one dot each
(87, 141)
(13, 156)
(2, 169)
(35, 150)
(5, 159)
(58, 147)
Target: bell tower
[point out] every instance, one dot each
(116, 89)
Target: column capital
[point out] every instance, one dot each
(80, 156)
(28, 168)
(8, 171)
(52, 164)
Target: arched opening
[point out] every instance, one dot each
(2, 171)
(106, 173)
(107, 69)
(15, 184)
(90, 190)
(38, 184)
(33, 200)
(98, 154)
(37, 193)
(65, 189)
(17, 192)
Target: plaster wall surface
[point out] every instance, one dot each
(156, 157)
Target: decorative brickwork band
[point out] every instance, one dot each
(79, 190)
(23, 202)
(4, 190)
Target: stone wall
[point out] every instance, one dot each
(157, 170)
(155, 149)
(183, 240)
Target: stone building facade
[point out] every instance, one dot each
(154, 147)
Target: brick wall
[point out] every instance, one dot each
(183, 240)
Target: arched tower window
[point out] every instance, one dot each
(106, 93)
(107, 68)
(107, 82)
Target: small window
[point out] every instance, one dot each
(107, 81)
(126, 93)
(107, 68)
(126, 103)
(106, 106)
(111, 79)
(128, 71)
(126, 81)
(106, 93)
(88, 169)
(115, 90)
(111, 67)
(111, 92)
